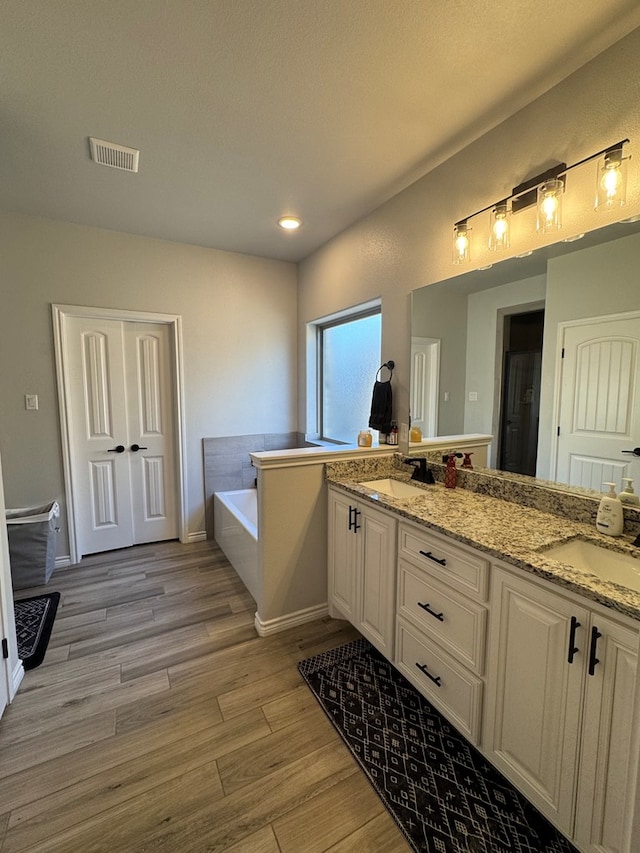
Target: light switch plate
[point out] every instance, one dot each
(31, 401)
(473, 396)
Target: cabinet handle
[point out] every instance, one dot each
(572, 639)
(430, 556)
(351, 509)
(593, 660)
(426, 607)
(434, 678)
(356, 513)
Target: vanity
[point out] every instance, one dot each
(514, 640)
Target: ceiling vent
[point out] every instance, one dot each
(116, 156)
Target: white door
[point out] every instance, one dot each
(121, 432)
(425, 371)
(600, 410)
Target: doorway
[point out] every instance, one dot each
(520, 400)
(119, 389)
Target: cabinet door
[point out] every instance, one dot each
(376, 578)
(342, 556)
(534, 694)
(606, 738)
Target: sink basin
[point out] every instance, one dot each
(394, 488)
(623, 569)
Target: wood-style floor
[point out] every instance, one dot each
(160, 721)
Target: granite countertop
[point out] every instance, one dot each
(503, 529)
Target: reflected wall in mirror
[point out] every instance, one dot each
(500, 335)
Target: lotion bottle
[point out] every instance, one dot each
(610, 519)
(627, 495)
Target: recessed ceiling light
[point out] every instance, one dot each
(289, 223)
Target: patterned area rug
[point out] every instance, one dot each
(34, 621)
(441, 792)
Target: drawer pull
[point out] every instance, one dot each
(593, 660)
(425, 671)
(426, 607)
(430, 556)
(573, 649)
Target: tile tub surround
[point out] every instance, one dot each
(503, 528)
(227, 466)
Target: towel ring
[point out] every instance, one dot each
(389, 365)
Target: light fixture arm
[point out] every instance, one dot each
(524, 195)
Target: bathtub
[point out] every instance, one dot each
(235, 523)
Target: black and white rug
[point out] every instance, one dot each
(444, 796)
(34, 621)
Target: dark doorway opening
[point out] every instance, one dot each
(520, 406)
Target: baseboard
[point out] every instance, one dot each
(198, 536)
(16, 677)
(63, 561)
(289, 620)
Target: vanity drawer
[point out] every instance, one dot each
(454, 564)
(450, 687)
(454, 621)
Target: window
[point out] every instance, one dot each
(348, 358)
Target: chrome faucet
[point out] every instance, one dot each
(420, 471)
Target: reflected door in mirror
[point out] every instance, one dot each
(599, 412)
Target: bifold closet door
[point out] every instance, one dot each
(122, 432)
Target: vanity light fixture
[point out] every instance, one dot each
(289, 223)
(546, 191)
(461, 242)
(499, 237)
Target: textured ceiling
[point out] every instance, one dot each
(247, 109)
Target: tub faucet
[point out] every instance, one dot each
(420, 471)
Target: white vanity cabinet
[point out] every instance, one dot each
(560, 695)
(362, 567)
(441, 624)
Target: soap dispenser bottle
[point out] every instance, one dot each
(627, 495)
(451, 472)
(610, 519)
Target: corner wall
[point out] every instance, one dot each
(239, 315)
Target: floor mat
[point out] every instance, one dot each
(443, 795)
(34, 621)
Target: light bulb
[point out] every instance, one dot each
(550, 205)
(461, 243)
(499, 234)
(611, 179)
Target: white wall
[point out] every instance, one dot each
(406, 243)
(239, 326)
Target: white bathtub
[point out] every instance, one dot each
(235, 523)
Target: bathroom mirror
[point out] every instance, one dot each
(487, 357)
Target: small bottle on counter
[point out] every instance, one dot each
(365, 439)
(627, 495)
(466, 462)
(392, 438)
(415, 434)
(451, 472)
(610, 519)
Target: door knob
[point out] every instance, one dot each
(119, 448)
(635, 451)
(136, 448)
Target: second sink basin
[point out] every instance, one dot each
(623, 569)
(394, 488)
